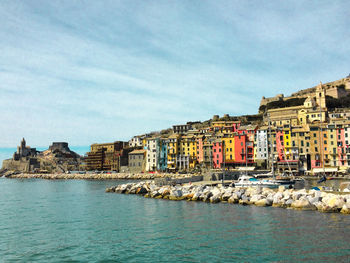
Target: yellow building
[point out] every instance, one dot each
(172, 150)
(229, 148)
(287, 144)
(332, 144)
(188, 147)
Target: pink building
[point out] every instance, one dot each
(342, 147)
(200, 155)
(217, 154)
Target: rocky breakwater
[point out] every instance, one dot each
(284, 198)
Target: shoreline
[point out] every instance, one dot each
(284, 198)
(95, 176)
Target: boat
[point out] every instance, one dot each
(246, 181)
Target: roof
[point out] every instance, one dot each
(137, 152)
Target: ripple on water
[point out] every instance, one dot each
(76, 221)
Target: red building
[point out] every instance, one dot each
(280, 145)
(217, 154)
(244, 150)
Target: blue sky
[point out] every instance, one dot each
(99, 71)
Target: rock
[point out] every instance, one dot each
(314, 200)
(141, 191)
(288, 202)
(281, 188)
(111, 189)
(196, 196)
(327, 209)
(296, 196)
(256, 198)
(227, 194)
(262, 202)
(243, 202)
(176, 193)
(215, 198)
(155, 193)
(206, 196)
(233, 199)
(345, 209)
(303, 204)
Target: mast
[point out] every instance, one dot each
(246, 157)
(223, 159)
(321, 129)
(270, 154)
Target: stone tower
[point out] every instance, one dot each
(320, 96)
(23, 143)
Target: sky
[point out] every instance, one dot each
(99, 71)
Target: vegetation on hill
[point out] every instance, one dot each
(282, 104)
(343, 102)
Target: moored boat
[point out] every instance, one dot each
(246, 181)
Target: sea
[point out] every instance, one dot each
(77, 221)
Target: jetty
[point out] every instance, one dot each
(285, 198)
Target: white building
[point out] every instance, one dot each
(261, 145)
(136, 141)
(153, 154)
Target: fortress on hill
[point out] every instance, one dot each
(335, 89)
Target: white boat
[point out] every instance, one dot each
(246, 181)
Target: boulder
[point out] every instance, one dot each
(281, 188)
(141, 191)
(262, 202)
(303, 204)
(256, 198)
(206, 196)
(288, 202)
(345, 209)
(334, 201)
(244, 202)
(233, 199)
(155, 193)
(215, 198)
(196, 196)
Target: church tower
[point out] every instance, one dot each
(320, 96)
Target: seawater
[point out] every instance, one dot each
(76, 221)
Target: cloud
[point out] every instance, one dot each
(107, 70)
